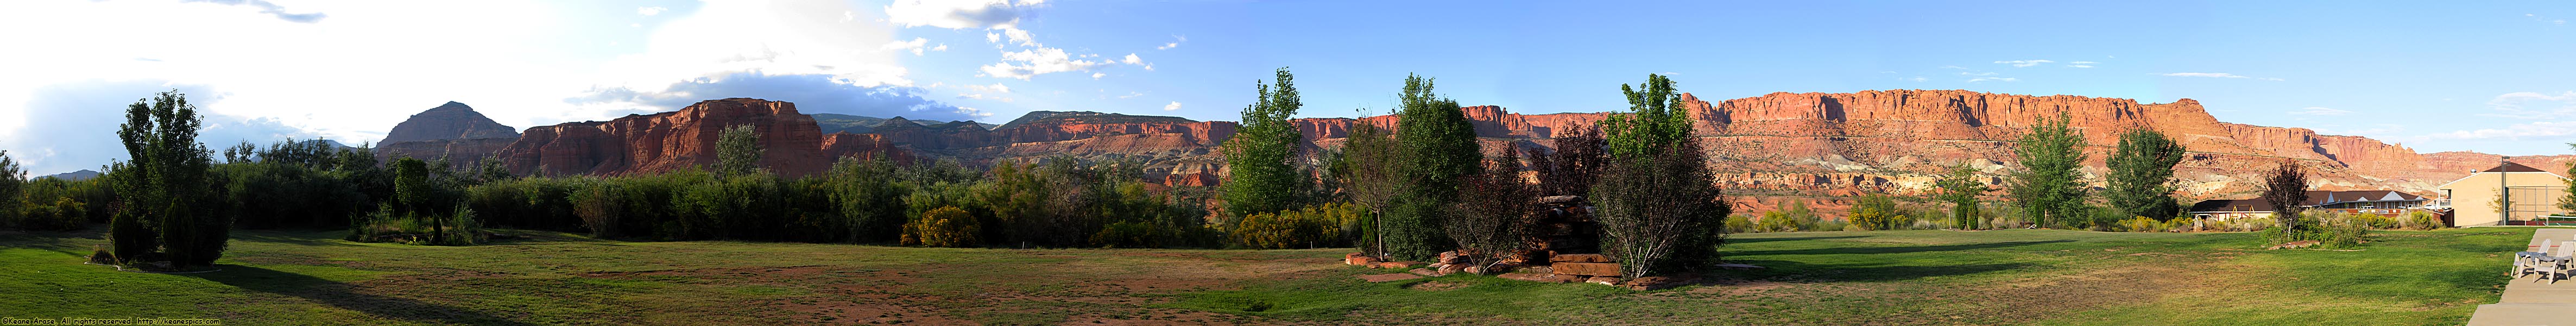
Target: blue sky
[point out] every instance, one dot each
(2485, 76)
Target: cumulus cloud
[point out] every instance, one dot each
(811, 93)
(1039, 61)
(649, 11)
(2024, 63)
(959, 14)
(1176, 105)
(2319, 111)
(1133, 60)
(2214, 75)
(1098, 75)
(1176, 42)
(915, 45)
(267, 8)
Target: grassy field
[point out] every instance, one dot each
(2045, 277)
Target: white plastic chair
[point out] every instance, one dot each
(2560, 263)
(2529, 261)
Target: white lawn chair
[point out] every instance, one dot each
(2560, 263)
(2529, 261)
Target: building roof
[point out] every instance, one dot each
(2513, 167)
(2315, 198)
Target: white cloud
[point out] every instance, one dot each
(1039, 61)
(1133, 60)
(1976, 73)
(649, 11)
(941, 47)
(1176, 105)
(990, 37)
(1131, 95)
(996, 88)
(2214, 75)
(1917, 79)
(2079, 66)
(959, 14)
(2319, 111)
(2000, 79)
(2024, 63)
(2533, 105)
(1020, 36)
(1176, 42)
(270, 9)
(1097, 75)
(915, 45)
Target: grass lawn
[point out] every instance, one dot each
(2046, 277)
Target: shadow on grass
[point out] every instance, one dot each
(1734, 240)
(341, 295)
(1889, 250)
(1781, 270)
(301, 239)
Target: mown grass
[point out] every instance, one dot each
(2047, 277)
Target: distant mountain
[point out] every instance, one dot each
(74, 175)
(839, 123)
(452, 131)
(1083, 117)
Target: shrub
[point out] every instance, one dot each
(1130, 234)
(1737, 223)
(2145, 224)
(2375, 221)
(942, 227)
(598, 207)
(61, 214)
(1310, 227)
(2422, 220)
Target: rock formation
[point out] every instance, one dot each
(669, 141)
(1798, 144)
(452, 131)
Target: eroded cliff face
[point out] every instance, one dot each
(453, 131)
(1832, 144)
(669, 141)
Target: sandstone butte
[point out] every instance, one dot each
(1795, 144)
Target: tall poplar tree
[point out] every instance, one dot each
(2048, 187)
(168, 182)
(2142, 169)
(1437, 151)
(1261, 175)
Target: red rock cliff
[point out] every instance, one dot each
(670, 141)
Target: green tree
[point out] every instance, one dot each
(12, 184)
(870, 198)
(1369, 177)
(1960, 188)
(2049, 186)
(169, 183)
(2141, 180)
(413, 190)
(1658, 201)
(2568, 203)
(1260, 177)
(738, 151)
(1436, 151)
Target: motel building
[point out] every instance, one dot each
(2526, 194)
(2382, 202)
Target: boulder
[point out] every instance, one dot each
(1359, 259)
(1580, 258)
(1452, 268)
(1537, 269)
(1585, 269)
(1453, 257)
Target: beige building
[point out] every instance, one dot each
(2531, 192)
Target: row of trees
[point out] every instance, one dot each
(2051, 191)
(1430, 186)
